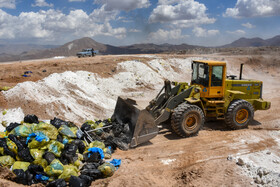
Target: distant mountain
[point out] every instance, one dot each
(16, 49)
(71, 48)
(255, 42)
(153, 48)
(26, 52)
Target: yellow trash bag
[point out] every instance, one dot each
(55, 168)
(96, 143)
(6, 161)
(3, 134)
(55, 147)
(94, 125)
(68, 171)
(47, 129)
(12, 146)
(107, 153)
(34, 144)
(78, 163)
(37, 153)
(38, 156)
(1, 151)
(21, 165)
(107, 169)
(23, 130)
(43, 162)
(67, 131)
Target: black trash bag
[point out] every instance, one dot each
(80, 144)
(91, 170)
(57, 183)
(12, 126)
(93, 173)
(58, 122)
(85, 127)
(92, 157)
(110, 142)
(117, 129)
(36, 169)
(59, 138)
(7, 151)
(87, 179)
(20, 176)
(30, 178)
(31, 119)
(90, 166)
(124, 138)
(63, 160)
(76, 182)
(23, 141)
(49, 157)
(69, 152)
(25, 155)
(71, 124)
(16, 141)
(120, 144)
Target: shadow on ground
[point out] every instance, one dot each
(212, 125)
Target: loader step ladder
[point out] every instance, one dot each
(220, 111)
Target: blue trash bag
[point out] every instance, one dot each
(96, 150)
(39, 136)
(116, 162)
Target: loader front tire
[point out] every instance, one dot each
(187, 120)
(239, 114)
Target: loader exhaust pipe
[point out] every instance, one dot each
(241, 70)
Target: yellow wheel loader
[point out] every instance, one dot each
(211, 94)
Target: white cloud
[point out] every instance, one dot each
(200, 32)
(182, 13)
(161, 36)
(8, 4)
(134, 30)
(52, 25)
(248, 25)
(42, 3)
(101, 15)
(125, 5)
(254, 8)
(237, 32)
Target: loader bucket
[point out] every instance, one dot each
(141, 123)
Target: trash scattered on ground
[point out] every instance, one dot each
(260, 167)
(5, 88)
(27, 74)
(60, 153)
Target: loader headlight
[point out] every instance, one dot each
(196, 90)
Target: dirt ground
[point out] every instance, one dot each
(168, 160)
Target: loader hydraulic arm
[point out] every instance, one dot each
(160, 107)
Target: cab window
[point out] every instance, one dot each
(200, 74)
(217, 76)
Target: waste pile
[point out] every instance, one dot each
(59, 153)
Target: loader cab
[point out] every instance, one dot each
(210, 76)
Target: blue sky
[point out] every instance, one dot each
(125, 22)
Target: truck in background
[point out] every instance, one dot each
(89, 52)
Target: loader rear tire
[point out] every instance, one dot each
(239, 114)
(187, 120)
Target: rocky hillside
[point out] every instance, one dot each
(255, 42)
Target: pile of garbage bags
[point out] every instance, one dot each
(59, 153)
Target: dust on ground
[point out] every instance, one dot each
(168, 160)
